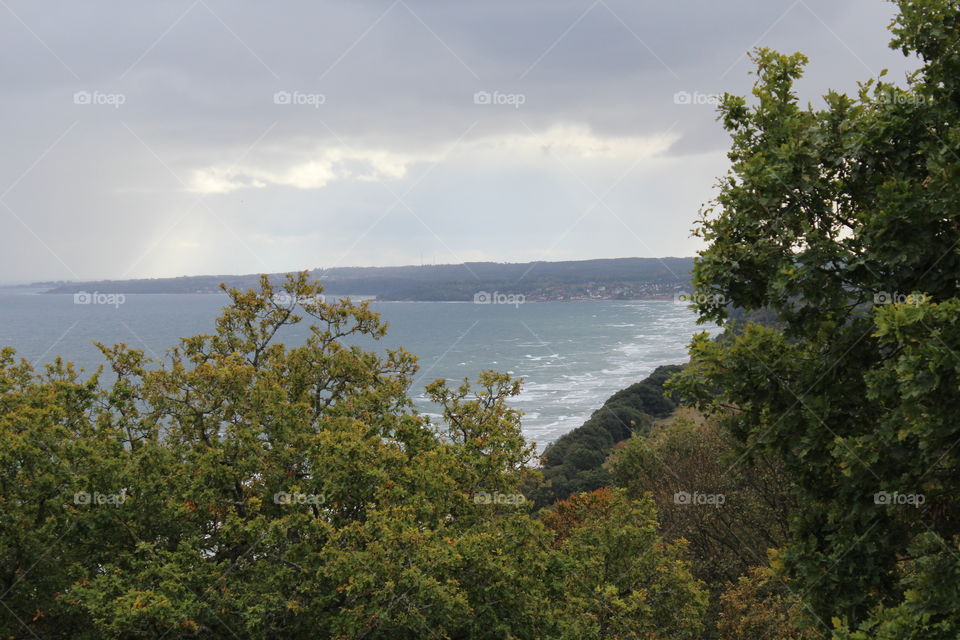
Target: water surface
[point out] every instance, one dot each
(572, 355)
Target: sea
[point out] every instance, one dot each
(571, 355)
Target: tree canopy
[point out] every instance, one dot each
(845, 222)
(245, 487)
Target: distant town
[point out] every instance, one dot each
(610, 279)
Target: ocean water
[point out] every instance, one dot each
(571, 355)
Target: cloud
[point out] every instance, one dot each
(573, 142)
(327, 165)
(577, 141)
(203, 169)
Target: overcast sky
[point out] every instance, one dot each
(194, 137)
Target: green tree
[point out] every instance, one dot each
(50, 452)
(245, 487)
(575, 461)
(845, 222)
(618, 579)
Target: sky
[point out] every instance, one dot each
(197, 137)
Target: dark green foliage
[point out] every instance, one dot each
(575, 461)
(845, 222)
(738, 318)
(646, 395)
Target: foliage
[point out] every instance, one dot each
(746, 499)
(931, 593)
(845, 222)
(247, 488)
(762, 605)
(574, 462)
(620, 579)
(691, 455)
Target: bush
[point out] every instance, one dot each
(574, 462)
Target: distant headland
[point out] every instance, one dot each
(601, 279)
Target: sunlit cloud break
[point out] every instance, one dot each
(340, 163)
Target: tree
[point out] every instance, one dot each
(618, 578)
(575, 461)
(762, 605)
(731, 512)
(845, 222)
(692, 456)
(246, 487)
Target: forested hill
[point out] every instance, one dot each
(618, 278)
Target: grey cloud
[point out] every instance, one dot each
(198, 79)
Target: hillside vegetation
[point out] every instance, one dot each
(620, 278)
(797, 480)
(575, 461)
(243, 487)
